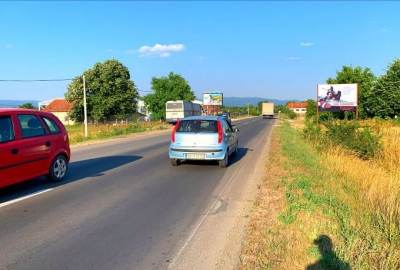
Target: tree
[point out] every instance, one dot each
(110, 92)
(171, 87)
(27, 105)
(311, 108)
(365, 80)
(384, 101)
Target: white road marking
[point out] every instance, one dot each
(25, 197)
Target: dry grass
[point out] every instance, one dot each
(101, 131)
(308, 193)
(389, 131)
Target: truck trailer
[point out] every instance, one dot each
(267, 110)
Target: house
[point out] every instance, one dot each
(298, 107)
(60, 108)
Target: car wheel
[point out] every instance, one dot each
(58, 169)
(224, 162)
(174, 162)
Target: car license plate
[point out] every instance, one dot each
(195, 156)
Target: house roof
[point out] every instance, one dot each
(58, 105)
(295, 105)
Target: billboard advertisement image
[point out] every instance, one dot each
(337, 97)
(212, 99)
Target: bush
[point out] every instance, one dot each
(312, 131)
(286, 111)
(360, 140)
(349, 134)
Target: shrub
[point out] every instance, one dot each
(312, 131)
(349, 134)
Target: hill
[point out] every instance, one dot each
(243, 101)
(16, 103)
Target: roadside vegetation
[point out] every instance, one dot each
(330, 200)
(103, 131)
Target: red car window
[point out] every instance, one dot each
(30, 126)
(51, 125)
(6, 129)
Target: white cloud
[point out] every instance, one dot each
(307, 44)
(8, 46)
(162, 50)
(293, 58)
(110, 50)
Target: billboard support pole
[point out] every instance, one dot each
(317, 108)
(357, 104)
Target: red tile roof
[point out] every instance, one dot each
(58, 105)
(297, 105)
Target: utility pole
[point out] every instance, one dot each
(85, 107)
(248, 109)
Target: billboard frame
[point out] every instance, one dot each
(357, 100)
(211, 93)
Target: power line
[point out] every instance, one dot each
(38, 80)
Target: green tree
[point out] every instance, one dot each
(311, 108)
(365, 80)
(27, 105)
(171, 87)
(284, 109)
(384, 101)
(109, 89)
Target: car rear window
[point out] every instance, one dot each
(53, 128)
(198, 126)
(6, 129)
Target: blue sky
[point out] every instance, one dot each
(265, 49)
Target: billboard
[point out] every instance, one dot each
(337, 97)
(215, 98)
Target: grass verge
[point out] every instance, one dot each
(312, 215)
(103, 131)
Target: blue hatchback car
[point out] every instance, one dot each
(203, 138)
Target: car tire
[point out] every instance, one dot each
(58, 168)
(174, 162)
(223, 163)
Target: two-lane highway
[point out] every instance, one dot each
(122, 206)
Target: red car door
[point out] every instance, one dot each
(36, 147)
(10, 160)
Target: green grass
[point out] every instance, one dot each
(104, 131)
(324, 219)
(315, 189)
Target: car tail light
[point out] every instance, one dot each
(174, 131)
(220, 132)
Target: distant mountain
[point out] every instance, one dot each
(16, 103)
(243, 101)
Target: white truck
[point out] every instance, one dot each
(267, 109)
(178, 109)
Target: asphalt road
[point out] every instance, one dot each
(122, 206)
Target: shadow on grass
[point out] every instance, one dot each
(328, 259)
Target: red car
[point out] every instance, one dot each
(32, 144)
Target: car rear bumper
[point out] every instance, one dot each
(196, 154)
